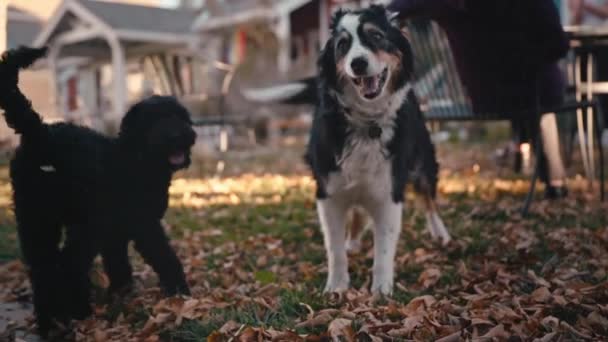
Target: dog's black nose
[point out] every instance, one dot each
(359, 66)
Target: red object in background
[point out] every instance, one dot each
(73, 93)
(241, 45)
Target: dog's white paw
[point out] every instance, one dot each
(353, 246)
(446, 239)
(436, 227)
(337, 284)
(383, 280)
(382, 287)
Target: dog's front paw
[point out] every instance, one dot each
(382, 285)
(337, 284)
(177, 289)
(383, 289)
(121, 290)
(353, 246)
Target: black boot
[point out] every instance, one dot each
(555, 192)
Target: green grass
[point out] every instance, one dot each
(288, 311)
(9, 246)
(241, 233)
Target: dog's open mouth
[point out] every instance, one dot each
(177, 158)
(371, 87)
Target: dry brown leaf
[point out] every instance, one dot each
(497, 332)
(340, 329)
(229, 327)
(429, 277)
(162, 318)
(453, 337)
(287, 336)
(251, 335)
(420, 303)
(216, 336)
(100, 336)
(547, 338)
(541, 295)
(318, 320)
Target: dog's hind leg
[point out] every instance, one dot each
(39, 239)
(80, 248)
(434, 222)
(115, 253)
(332, 215)
(153, 244)
(358, 225)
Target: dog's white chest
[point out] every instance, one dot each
(365, 169)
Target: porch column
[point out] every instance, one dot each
(3, 25)
(119, 78)
(53, 60)
(283, 32)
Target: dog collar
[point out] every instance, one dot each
(374, 131)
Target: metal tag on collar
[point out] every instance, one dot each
(374, 131)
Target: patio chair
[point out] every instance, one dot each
(444, 98)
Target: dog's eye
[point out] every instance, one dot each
(342, 45)
(377, 36)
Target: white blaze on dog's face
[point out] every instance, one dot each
(372, 56)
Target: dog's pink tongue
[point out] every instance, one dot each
(177, 158)
(370, 85)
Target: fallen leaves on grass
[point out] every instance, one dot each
(255, 262)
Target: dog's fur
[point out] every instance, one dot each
(368, 139)
(78, 193)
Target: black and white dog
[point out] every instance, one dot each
(368, 138)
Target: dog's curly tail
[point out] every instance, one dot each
(18, 110)
(299, 92)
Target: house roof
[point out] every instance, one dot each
(141, 18)
(22, 27)
(128, 22)
(240, 12)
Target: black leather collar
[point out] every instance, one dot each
(374, 131)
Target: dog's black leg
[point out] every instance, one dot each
(40, 249)
(116, 263)
(153, 244)
(76, 258)
(39, 234)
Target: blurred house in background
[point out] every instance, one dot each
(105, 55)
(24, 21)
(21, 28)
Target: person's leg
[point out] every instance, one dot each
(518, 137)
(556, 172)
(601, 67)
(551, 166)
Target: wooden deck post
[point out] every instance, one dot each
(282, 30)
(3, 25)
(53, 59)
(119, 78)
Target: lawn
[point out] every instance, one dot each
(255, 260)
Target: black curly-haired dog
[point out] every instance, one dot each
(78, 194)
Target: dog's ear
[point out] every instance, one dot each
(130, 126)
(393, 18)
(405, 31)
(327, 65)
(335, 19)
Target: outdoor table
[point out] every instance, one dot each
(586, 40)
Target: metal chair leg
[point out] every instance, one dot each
(598, 133)
(539, 154)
